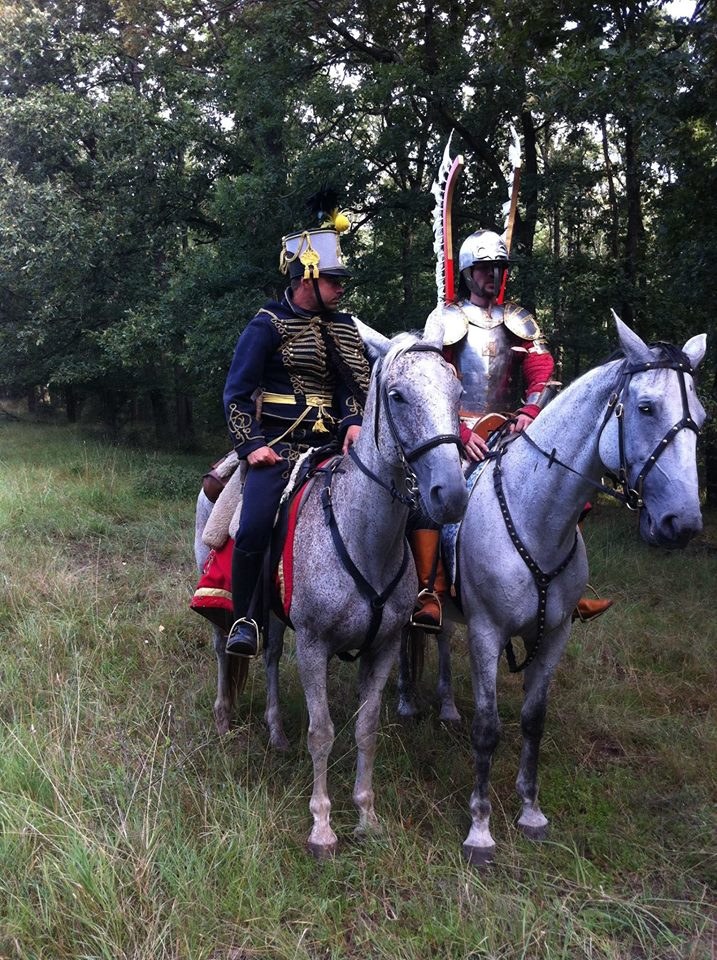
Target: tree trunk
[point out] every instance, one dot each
(634, 220)
(183, 413)
(70, 404)
(710, 453)
(159, 414)
(614, 232)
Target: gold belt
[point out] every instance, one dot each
(320, 401)
(310, 399)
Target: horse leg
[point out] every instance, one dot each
(273, 650)
(373, 676)
(479, 845)
(226, 684)
(313, 668)
(410, 667)
(538, 675)
(449, 712)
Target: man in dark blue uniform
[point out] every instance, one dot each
(298, 379)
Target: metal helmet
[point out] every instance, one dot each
(482, 246)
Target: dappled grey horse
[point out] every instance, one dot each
(355, 582)
(521, 560)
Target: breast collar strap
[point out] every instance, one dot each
(377, 601)
(541, 578)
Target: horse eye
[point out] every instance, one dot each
(396, 395)
(645, 408)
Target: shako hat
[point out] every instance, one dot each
(317, 251)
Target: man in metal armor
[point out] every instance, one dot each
(488, 342)
(298, 379)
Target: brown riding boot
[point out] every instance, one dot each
(426, 549)
(586, 609)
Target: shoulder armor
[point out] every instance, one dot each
(520, 322)
(456, 324)
(448, 320)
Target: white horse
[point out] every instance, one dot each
(355, 583)
(521, 561)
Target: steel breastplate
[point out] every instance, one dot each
(484, 360)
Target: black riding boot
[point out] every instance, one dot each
(243, 639)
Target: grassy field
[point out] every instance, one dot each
(129, 830)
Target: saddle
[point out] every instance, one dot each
(218, 475)
(486, 424)
(212, 597)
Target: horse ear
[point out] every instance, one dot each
(375, 342)
(695, 349)
(434, 330)
(635, 349)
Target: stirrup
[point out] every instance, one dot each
(236, 629)
(430, 627)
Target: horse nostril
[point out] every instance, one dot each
(679, 532)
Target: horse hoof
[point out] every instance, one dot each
(222, 723)
(407, 711)
(322, 851)
(279, 742)
(451, 717)
(368, 831)
(535, 833)
(479, 856)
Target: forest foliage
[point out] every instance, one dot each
(152, 154)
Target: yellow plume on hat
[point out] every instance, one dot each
(338, 220)
(324, 204)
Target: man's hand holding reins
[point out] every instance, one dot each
(520, 423)
(350, 438)
(475, 447)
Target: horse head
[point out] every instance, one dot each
(649, 438)
(412, 415)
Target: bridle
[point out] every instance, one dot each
(410, 480)
(632, 497)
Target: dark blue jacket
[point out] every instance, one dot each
(282, 352)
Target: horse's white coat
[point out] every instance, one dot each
(328, 613)
(499, 594)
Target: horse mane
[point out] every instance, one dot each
(400, 344)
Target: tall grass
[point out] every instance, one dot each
(129, 830)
